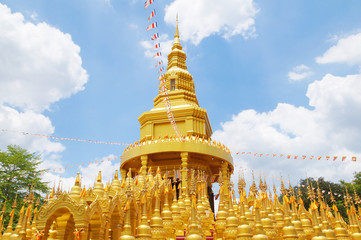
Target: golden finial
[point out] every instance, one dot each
(356, 196)
(52, 193)
(116, 174)
(274, 189)
(265, 183)
(15, 202)
(176, 35)
(4, 207)
(290, 188)
(99, 178)
(83, 192)
(253, 187)
(331, 196)
(37, 202)
(283, 189)
(77, 179)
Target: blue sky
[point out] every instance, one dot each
(241, 62)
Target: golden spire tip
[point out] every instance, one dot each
(176, 35)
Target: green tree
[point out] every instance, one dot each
(19, 174)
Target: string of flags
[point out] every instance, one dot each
(64, 138)
(147, 3)
(327, 158)
(170, 114)
(171, 119)
(161, 67)
(60, 170)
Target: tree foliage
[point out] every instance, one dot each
(338, 191)
(19, 174)
(326, 187)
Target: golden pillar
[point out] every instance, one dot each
(143, 174)
(225, 175)
(144, 161)
(184, 158)
(123, 173)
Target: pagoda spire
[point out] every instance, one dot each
(177, 57)
(176, 34)
(176, 96)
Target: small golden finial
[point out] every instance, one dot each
(283, 189)
(37, 202)
(52, 193)
(356, 197)
(15, 202)
(116, 174)
(99, 178)
(77, 180)
(83, 192)
(4, 207)
(176, 35)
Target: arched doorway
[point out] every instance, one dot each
(65, 224)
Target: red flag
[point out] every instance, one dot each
(152, 14)
(273, 155)
(151, 26)
(319, 158)
(155, 36)
(354, 159)
(303, 157)
(161, 69)
(311, 157)
(296, 157)
(260, 154)
(334, 158)
(237, 153)
(328, 157)
(159, 63)
(255, 154)
(289, 156)
(147, 3)
(160, 77)
(156, 46)
(158, 54)
(343, 159)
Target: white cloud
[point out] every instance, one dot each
(39, 64)
(331, 129)
(88, 173)
(34, 16)
(299, 73)
(165, 49)
(347, 50)
(207, 17)
(27, 121)
(133, 26)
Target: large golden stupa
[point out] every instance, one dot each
(158, 145)
(152, 201)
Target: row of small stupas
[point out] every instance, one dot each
(194, 139)
(156, 207)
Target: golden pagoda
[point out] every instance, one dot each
(159, 146)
